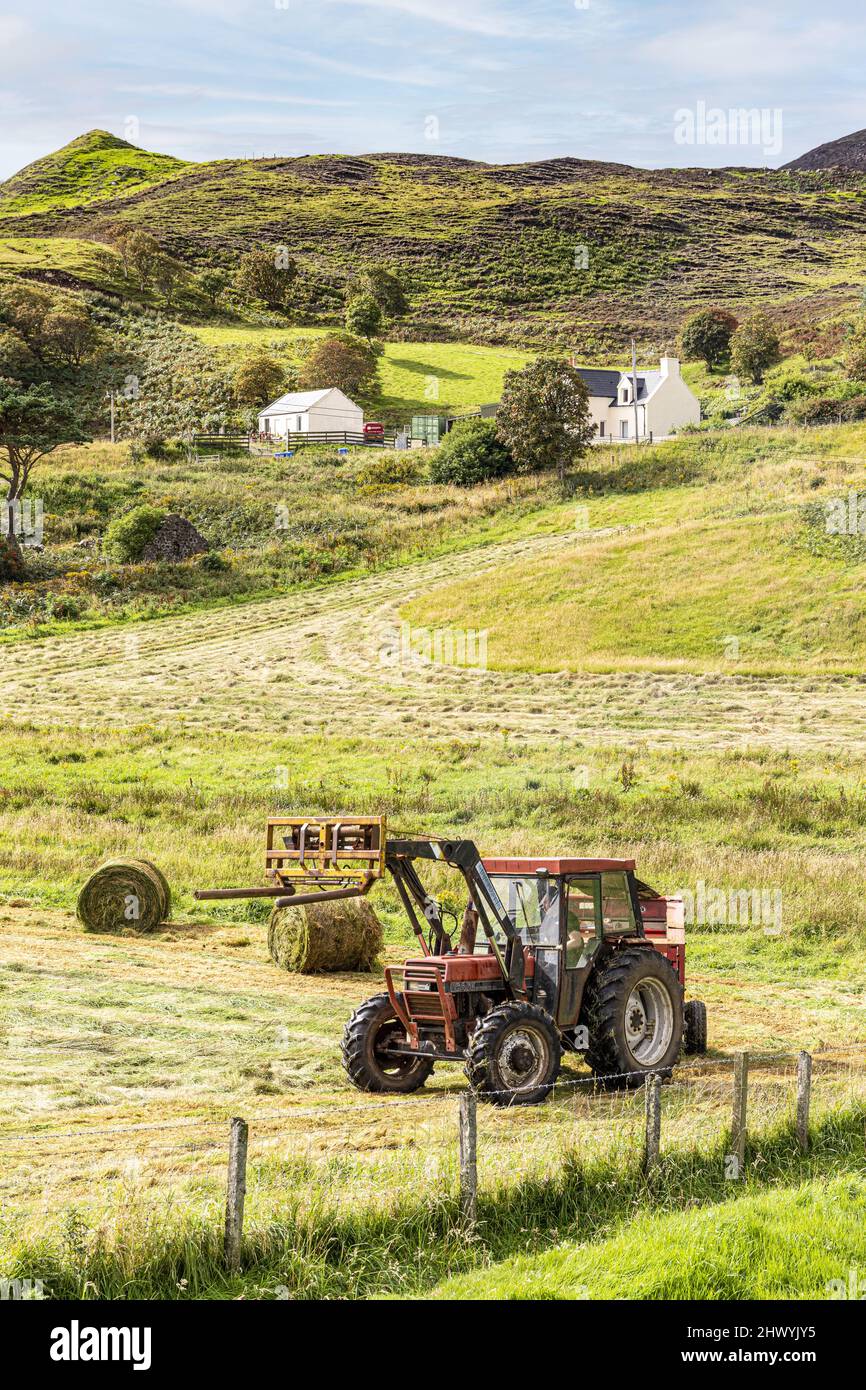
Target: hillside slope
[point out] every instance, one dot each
(563, 250)
(847, 153)
(91, 169)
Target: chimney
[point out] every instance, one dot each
(670, 366)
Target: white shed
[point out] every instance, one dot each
(311, 412)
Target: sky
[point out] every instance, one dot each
(642, 82)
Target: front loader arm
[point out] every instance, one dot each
(462, 855)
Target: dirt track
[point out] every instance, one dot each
(329, 661)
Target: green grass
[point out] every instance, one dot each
(303, 1241)
(710, 567)
(94, 168)
(489, 253)
(414, 378)
(792, 1243)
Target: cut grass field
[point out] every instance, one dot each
(714, 570)
(174, 738)
(126, 1056)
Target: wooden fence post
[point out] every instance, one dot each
(738, 1118)
(653, 1133)
(468, 1129)
(235, 1193)
(804, 1092)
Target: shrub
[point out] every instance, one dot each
(213, 562)
(11, 561)
(471, 454)
(127, 536)
(392, 470)
(827, 410)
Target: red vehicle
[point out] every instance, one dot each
(533, 957)
(374, 431)
(553, 954)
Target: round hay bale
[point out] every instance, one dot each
(123, 894)
(148, 863)
(343, 935)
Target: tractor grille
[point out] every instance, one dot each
(423, 1004)
(422, 997)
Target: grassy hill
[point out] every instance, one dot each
(490, 253)
(426, 378)
(93, 168)
(700, 555)
(174, 739)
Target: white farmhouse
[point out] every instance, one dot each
(311, 412)
(664, 402)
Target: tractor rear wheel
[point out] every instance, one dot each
(369, 1033)
(514, 1055)
(634, 1014)
(695, 1032)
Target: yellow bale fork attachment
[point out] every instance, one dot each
(337, 856)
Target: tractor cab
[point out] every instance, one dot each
(565, 912)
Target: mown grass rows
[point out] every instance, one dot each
(302, 1243)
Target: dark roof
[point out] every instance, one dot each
(599, 381)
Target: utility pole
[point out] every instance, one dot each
(634, 389)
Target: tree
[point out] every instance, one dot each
(855, 349)
(168, 275)
(70, 335)
(212, 283)
(266, 274)
(471, 453)
(50, 381)
(363, 316)
(544, 418)
(259, 379)
(139, 254)
(35, 420)
(706, 336)
(384, 286)
(341, 361)
(755, 347)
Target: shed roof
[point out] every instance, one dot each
(296, 400)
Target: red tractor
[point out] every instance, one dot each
(550, 955)
(574, 955)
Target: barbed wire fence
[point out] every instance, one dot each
(719, 1110)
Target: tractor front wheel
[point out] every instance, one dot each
(370, 1032)
(634, 1014)
(514, 1055)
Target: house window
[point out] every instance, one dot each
(601, 429)
(267, 425)
(298, 425)
(623, 425)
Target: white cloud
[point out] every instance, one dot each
(468, 16)
(191, 90)
(747, 45)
